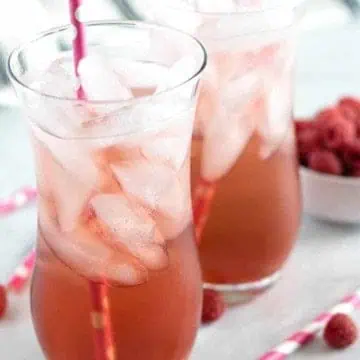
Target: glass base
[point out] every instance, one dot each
(236, 294)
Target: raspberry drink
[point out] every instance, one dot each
(114, 196)
(250, 249)
(243, 146)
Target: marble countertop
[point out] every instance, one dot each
(323, 268)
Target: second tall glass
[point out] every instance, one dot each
(244, 168)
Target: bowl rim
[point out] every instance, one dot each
(343, 180)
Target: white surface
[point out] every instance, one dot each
(324, 266)
(330, 197)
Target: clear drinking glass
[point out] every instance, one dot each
(244, 168)
(114, 187)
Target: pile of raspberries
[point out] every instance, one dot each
(330, 141)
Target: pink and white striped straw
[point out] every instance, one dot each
(17, 200)
(100, 312)
(22, 273)
(300, 338)
(79, 48)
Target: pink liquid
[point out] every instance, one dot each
(156, 293)
(254, 216)
(157, 320)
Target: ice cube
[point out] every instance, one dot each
(226, 64)
(58, 79)
(132, 228)
(143, 77)
(174, 209)
(241, 90)
(170, 147)
(152, 256)
(70, 195)
(181, 71)
(74, 155)
(229, 130)
(122, 152)
(86, 254)
(121, 217)
(208, 101)
(224, 140)
(143, 180)
(100, 81)
(61, 118)
(67, 172)
(174, 200)
(278, 97)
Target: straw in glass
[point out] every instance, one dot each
(100, 313)
(202, 199)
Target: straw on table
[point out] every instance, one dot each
(22, 273)
(17, 200)
(300, 338)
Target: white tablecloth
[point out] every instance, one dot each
(324, 266)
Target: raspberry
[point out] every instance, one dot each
(338, 133)
(351, 155)
(326, 117)
(213, 306)
(349, 107)
(308, 140)
(340, 332)
(355, 173)
(3, 300)
(303, 124)
(325, 161)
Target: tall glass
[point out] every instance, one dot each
(244, 167)
(114, 187)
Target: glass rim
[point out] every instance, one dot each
(287, 4)
(130, 24)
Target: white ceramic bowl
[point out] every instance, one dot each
(330, 197)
